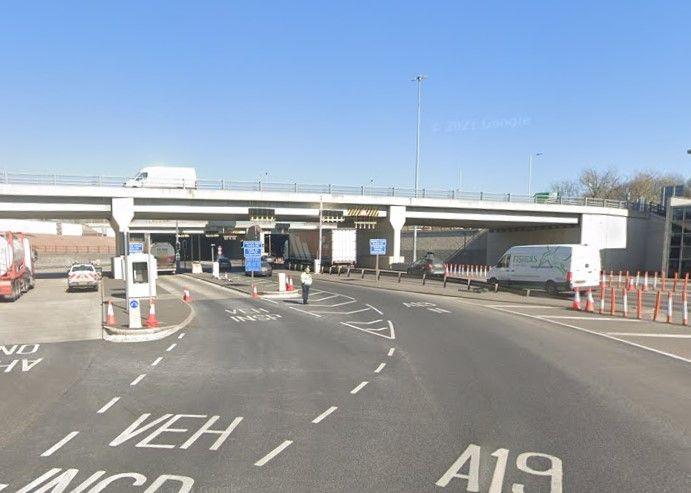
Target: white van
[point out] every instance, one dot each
(552, 267)
(164, 177)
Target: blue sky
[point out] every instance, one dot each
(320, 91)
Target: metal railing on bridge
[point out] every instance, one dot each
(10, 177)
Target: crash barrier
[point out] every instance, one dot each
(647, 281)
(658, 306)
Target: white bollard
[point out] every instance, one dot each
(281, 282)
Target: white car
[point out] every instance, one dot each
(83, 276)
(552, 267)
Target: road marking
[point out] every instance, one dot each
(519, 306)
(157, 361)
(439, 310)
(326, 298)
(181, 335)
(634, 334)
(352, 300)
(108, 406)
(304, 311)
(171, 347)
(391, 351)
(273, 453)
(380, 367)
(324, 414)
(343, 313)
(608, 319)
(373, 308)
(3, 486)
(62, 442)
(588, 331)
(138, 379)
(376, 332)
(359, 387)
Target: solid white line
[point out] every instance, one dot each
(303, 311)
(157, 361)
(380, 367)
(373, 308)
(324, 414)
(62, 442)
(359, 387)
(363, 323)
(341, 313)
(609, 319)
(273, 453)
(138, 379)
(107, 406)
(171, 347)
(631, 334)
(3, 486)
(391, 351)
(520, 306)
(588, 331)
(182, 334)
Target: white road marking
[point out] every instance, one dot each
(273, 453)
(305, 311)
(380, 367)
(108, 406)
(62, 442)
(352, 300)
(341, 313)
(389, 326)
(157, 361)
(270, 301)
(634, 334)
(608, 319)
(3, 486)
(182, 334)
(171, 347)
(588, 331)
(373, 308)
(138, 379)
(326, 298)
(324, 414)
(359, 387)
(439, 310)
(391, 351)
(518, 306)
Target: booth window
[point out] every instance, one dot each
(141, 272)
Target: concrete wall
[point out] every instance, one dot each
(444, 244)
(500, 241)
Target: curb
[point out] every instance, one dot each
(135, 335)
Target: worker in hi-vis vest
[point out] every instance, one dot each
(306, 281)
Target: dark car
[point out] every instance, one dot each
(426, 265)
(223, 263)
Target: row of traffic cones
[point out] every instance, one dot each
(151, 320)
(589, 304)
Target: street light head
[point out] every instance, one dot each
(688, 151)
(539, 154)
(419, 77)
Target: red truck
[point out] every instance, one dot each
(16, 265)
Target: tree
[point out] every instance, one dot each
(646, 185)
(602, 184)
(566, 188)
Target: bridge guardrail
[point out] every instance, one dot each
(22, 178)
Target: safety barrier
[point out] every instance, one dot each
(647, 281)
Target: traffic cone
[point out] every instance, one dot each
(186, 295)
(590, 303)
(576, 305)
(255, 295)
(289, 286)
(631, 285)
(151, 320)
(110, 317)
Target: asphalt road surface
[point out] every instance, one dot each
(360, 390)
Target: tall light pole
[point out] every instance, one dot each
(419, 78)
(530, 171)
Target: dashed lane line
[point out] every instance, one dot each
(359, 387)
(380, 368)
(391, 351)
(182, 334)
(171, 347)
(62, 442)
(324, 414)
(138, 379)
(273, 453)
(108, 405)
(157, 361)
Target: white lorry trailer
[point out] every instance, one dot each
(339, 246)
(552, 267)
(16, 265)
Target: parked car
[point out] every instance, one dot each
(224, 263)
(83, 276)
(266, 269)
(426, 265)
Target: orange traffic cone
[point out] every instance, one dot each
(590, 303)
(151, 320)
(254, 291)
(186, 295)
(576, 304)
(110, 317)
(290, 285)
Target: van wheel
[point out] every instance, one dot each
(492, 281)
(551, 288)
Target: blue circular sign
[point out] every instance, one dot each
(134, 304)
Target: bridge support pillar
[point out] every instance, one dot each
(397, 220)
(121, 215)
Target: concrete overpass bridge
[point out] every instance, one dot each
(377, 212)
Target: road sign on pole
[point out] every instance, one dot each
(253, 256)
(377, 246)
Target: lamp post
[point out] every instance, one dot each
(530, 172)
(419, 78)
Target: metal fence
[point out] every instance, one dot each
(7, 177)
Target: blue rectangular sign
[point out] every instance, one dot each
(253, 264)
(136, 247)
(252, 248)
(377, 246)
